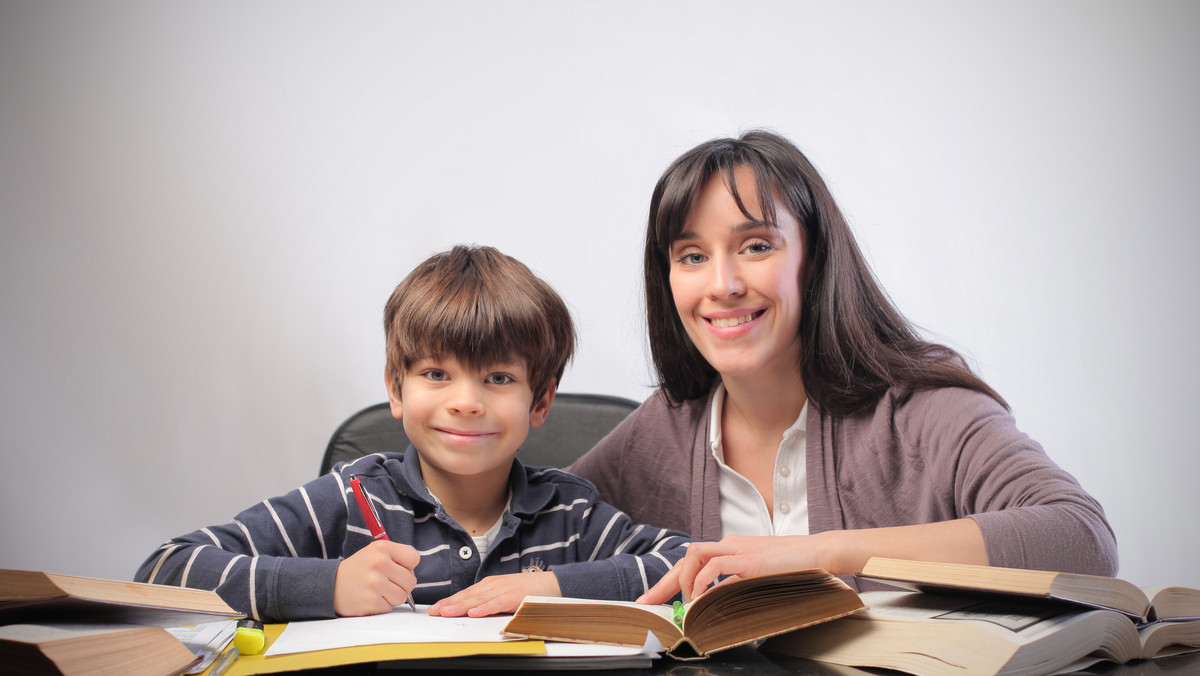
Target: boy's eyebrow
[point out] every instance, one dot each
(488, 367)
(503, 365)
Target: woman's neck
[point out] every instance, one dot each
(769, 404)
(754, 416)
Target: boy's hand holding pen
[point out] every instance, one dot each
(378, 577)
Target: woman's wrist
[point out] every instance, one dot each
(841, 552)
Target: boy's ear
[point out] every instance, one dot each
(393, 396)
(541, 407)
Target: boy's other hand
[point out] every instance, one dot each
(497, 594)
(375, 579)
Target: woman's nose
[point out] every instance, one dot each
(726, 278)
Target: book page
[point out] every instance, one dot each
(1174, 603)
(663, 611)
(1044, 634)
(1019, 621)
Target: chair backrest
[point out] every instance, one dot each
(576, 422)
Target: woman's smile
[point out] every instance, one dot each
(729, 320)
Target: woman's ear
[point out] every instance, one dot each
(541, 407)
(393, 395)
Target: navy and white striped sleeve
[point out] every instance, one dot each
(276, 560)
(620, 559)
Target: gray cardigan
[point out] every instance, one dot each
(922, 457)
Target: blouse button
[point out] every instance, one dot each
(785, 507)
(784, 471)
(464, 552)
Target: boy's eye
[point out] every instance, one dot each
(499, 379)
(436, 375)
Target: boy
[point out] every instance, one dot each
(476, 345)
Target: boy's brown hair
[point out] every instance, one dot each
(483, 308)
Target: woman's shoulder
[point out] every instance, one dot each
(662, 418)
(944, 400)
(659, 404)
(665, 426)
(908, 410)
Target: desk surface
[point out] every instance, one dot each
(736, 662)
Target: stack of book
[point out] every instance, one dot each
(964, 620)
(64, 624)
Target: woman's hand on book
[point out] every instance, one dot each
(840, 552)
(375, 579)
(497, 594)
(734, 557)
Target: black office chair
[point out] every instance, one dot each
(576, 422)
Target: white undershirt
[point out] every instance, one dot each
(743, 509)
(484, 542)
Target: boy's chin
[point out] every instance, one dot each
(467, 469)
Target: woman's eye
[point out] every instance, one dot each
(759, 247)
(690, 259)
(499, 379)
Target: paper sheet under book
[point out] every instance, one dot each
(402, 625)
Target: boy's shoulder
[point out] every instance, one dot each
(556, 476)
(372, 464)
(554, 485)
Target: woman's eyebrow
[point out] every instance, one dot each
(737, 229)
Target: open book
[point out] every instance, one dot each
(30, 596)
(966, 620)
(68, 624)
(1143, 605)
(729, 614)
(961, 635)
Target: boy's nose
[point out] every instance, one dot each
(466, 400)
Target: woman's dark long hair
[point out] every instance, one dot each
(854, 343)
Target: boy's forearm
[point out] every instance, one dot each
(624, 559)
(620, 578)
(282, 588)
(294, 562)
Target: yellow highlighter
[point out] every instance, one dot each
(249, 638)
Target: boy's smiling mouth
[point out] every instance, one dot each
(464, 434)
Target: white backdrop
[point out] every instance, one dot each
(204, 207)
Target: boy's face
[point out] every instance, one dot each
(466, 423)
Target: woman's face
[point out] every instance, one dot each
(736, 282)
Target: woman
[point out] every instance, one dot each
(800, 418)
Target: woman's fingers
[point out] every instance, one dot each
(666, 588)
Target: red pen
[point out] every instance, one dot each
(368, 510)
(372, 519)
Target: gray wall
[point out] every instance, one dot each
(204, 207)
